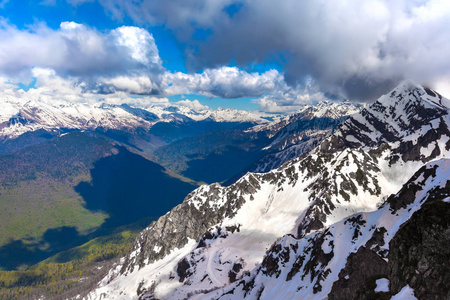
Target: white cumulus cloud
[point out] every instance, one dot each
(224, 82)
(75, 50)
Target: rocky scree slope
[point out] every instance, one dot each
(289, 232)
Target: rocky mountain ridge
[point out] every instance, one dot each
(274, 233)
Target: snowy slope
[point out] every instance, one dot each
(250, 237)
(307, 268)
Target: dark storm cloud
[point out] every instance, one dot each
(354, 48)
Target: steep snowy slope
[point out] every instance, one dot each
(338, 261)
(219, 235)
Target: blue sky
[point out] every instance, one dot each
(25, 13)
(258, 55)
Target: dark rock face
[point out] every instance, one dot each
(325, 187)
(19, 119)
(277, 255)
(361, 270)
(234, 272)
(409, 151)
(313, 260)
(183, 269)
(316, 266)
(376, 241)
(420, 253)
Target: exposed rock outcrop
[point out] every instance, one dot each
(420, 253)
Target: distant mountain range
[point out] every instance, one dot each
(181, 139)
(18, 116)
(362, 212)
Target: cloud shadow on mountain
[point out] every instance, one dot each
(129, 187)
(222, 165)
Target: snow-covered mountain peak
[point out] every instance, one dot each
(408, 105)
(20, 116)
(409, 94)
(407, 112)
(331, 109)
